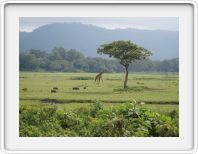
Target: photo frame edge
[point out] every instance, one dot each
(3, 5)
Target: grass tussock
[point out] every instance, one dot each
(82, 78)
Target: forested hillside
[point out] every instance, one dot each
(87, 38)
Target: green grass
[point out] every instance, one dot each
(156, 88)
(160, 108)
(153, 87)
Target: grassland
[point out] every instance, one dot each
(69, 112)
(150, 88)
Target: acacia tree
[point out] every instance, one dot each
(126, 52)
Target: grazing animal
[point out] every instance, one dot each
(53, 91)
(24, 89)
(75, 88)
(55, 88)
(142, 103)
(84, 87)
(98, 77)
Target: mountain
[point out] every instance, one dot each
(87, 38)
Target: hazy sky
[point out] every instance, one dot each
(151, 23)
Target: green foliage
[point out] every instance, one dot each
(125, 120)
(68, 119)
(35, 121)
(125, 51)
(28, 62)
(62, 60)
(95, 108)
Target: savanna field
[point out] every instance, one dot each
(72, 104)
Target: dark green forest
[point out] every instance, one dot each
(62, 60)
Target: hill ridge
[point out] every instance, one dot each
(86, 38)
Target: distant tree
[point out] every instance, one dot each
(126, 52)
(174, 65)
(142, 66)
(73, 55)
(38, 53)
(171, 65)
(58, 53)
(66, 66)
(93, 65)
(28, 62)
(81, 64)
(54, 66)
(64, 60)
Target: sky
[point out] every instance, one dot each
(28, 24)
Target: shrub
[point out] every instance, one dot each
(124, 120)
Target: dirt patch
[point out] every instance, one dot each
(51, 101)
(54, 101)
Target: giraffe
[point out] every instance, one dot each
(99, 77)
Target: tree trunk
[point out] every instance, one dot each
(126, 76)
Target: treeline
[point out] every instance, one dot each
(62, 60)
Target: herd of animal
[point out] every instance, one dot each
(98, 78)
(55, 89)
(78, 88)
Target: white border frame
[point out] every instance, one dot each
(2, 69)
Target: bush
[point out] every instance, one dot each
(96, 121)
(39, 121)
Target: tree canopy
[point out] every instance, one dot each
(126, 52)
(37, 60)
